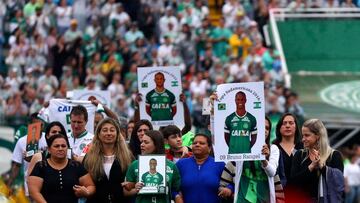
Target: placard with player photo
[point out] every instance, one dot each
(160, 89)
(33, 137)
(152, 172)
(239, 117)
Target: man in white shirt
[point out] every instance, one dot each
(79, 137)
(166, 19)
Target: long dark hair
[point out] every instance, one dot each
(158, 140)
(278, 138)
(267, 140)
(62, 131)
(134, 139)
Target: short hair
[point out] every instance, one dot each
(152, 159)
(79, 110)
(240, 92)
(34, 116)
(170, 130)
(158, 140)
(208, 138)
(159, 73)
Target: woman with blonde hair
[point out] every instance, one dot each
(107, 162)
(314, 161)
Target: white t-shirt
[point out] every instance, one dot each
(78, 144)
(352, 173)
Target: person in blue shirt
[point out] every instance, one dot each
(200, 174)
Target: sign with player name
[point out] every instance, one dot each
(239, 117)
(33, 137)
(160, 89)
(152, 172)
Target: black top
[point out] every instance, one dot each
(58, 184)
(287, 160)
(289, 191)
(110, 189)
(307, 182)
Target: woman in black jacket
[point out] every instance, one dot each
(312, 162)
(107, 162)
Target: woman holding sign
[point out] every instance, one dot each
(152, 143)
(254, 180)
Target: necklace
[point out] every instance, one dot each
(57, 166)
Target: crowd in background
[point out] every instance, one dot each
(50, 47)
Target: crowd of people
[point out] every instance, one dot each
(50, 47)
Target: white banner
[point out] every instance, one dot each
(59, 110)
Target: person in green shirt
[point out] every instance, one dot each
(240, 129)
(220, 38)
(152, 143)
(152, 178)
(160, 103)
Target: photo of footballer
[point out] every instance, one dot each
(33, 137)
(239, 114)
(152, 174)
(160, 89)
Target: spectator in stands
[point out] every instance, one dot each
(229, 11)
(107, 162)
(29, 8)
(352, 179)
(74, 182)
(122, 18)
(63, 16)
(72, 34)
(240, 43)
(220, 37)
(147, 21)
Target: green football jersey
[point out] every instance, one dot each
(152, 179)
(240, 130)
(161, 104)
(172, 183)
